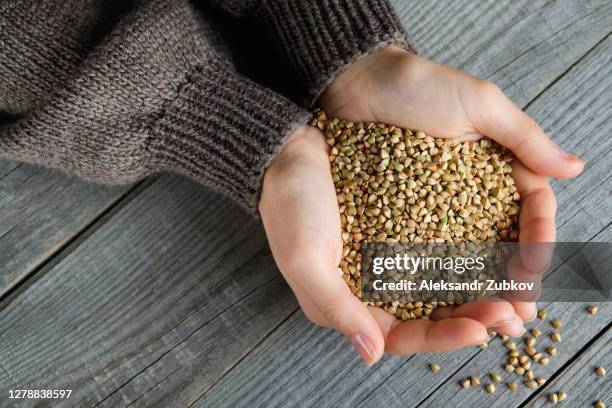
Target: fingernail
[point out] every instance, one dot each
(569, 157)
(514, 328)
(501, 323)
(364, 348)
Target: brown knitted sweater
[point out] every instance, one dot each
(115, 90)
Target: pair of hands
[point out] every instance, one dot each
(300, 212)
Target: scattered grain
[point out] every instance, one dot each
(553, 397)
(536, 332)
(592, 309)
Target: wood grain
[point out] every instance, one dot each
(521, 46)
(40, 211)
(576, 320)
(110, 321)
(579, 381)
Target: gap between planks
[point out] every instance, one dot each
(73, 243)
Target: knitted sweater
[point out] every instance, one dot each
(115, 90)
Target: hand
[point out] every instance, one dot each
(400, 88)
(396, 87)
(300, 214)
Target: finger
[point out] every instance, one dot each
(501, 120)
(538, 205)
(514, 328)
(495, 315)
(537, 228)
(527, 311)
(518, 273)
(414, 336)
(336, 307)
(489, 313)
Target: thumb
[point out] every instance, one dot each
(497, 117)
(333, 305)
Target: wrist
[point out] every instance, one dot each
(361, 78)
(306, 142)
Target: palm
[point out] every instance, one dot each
(301, 217)
(439, 101)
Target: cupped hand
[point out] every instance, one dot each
(400, 88)
(299, 210)
(300, 214)
(396, 87)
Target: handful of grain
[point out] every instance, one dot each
(398, 185)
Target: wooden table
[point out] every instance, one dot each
(163, 294)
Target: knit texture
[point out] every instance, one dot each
(114, 91)
(324, 37)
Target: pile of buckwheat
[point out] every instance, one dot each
(398, 185)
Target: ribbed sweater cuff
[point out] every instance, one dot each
(224, 130)
(323, 38)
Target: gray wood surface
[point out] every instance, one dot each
(523, 46)
(110, 321)
(579, 381)
(173, 300)
(40, 212)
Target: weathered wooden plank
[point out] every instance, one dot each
(411, 382)
(579, 381)
(182, 374)
(521, 46)
(576, 112)
(111, 319)
(7, 167)
(297, 365)
(576, 320)
(40, 211)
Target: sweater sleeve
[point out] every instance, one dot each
(321, 38)
(150, 95)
